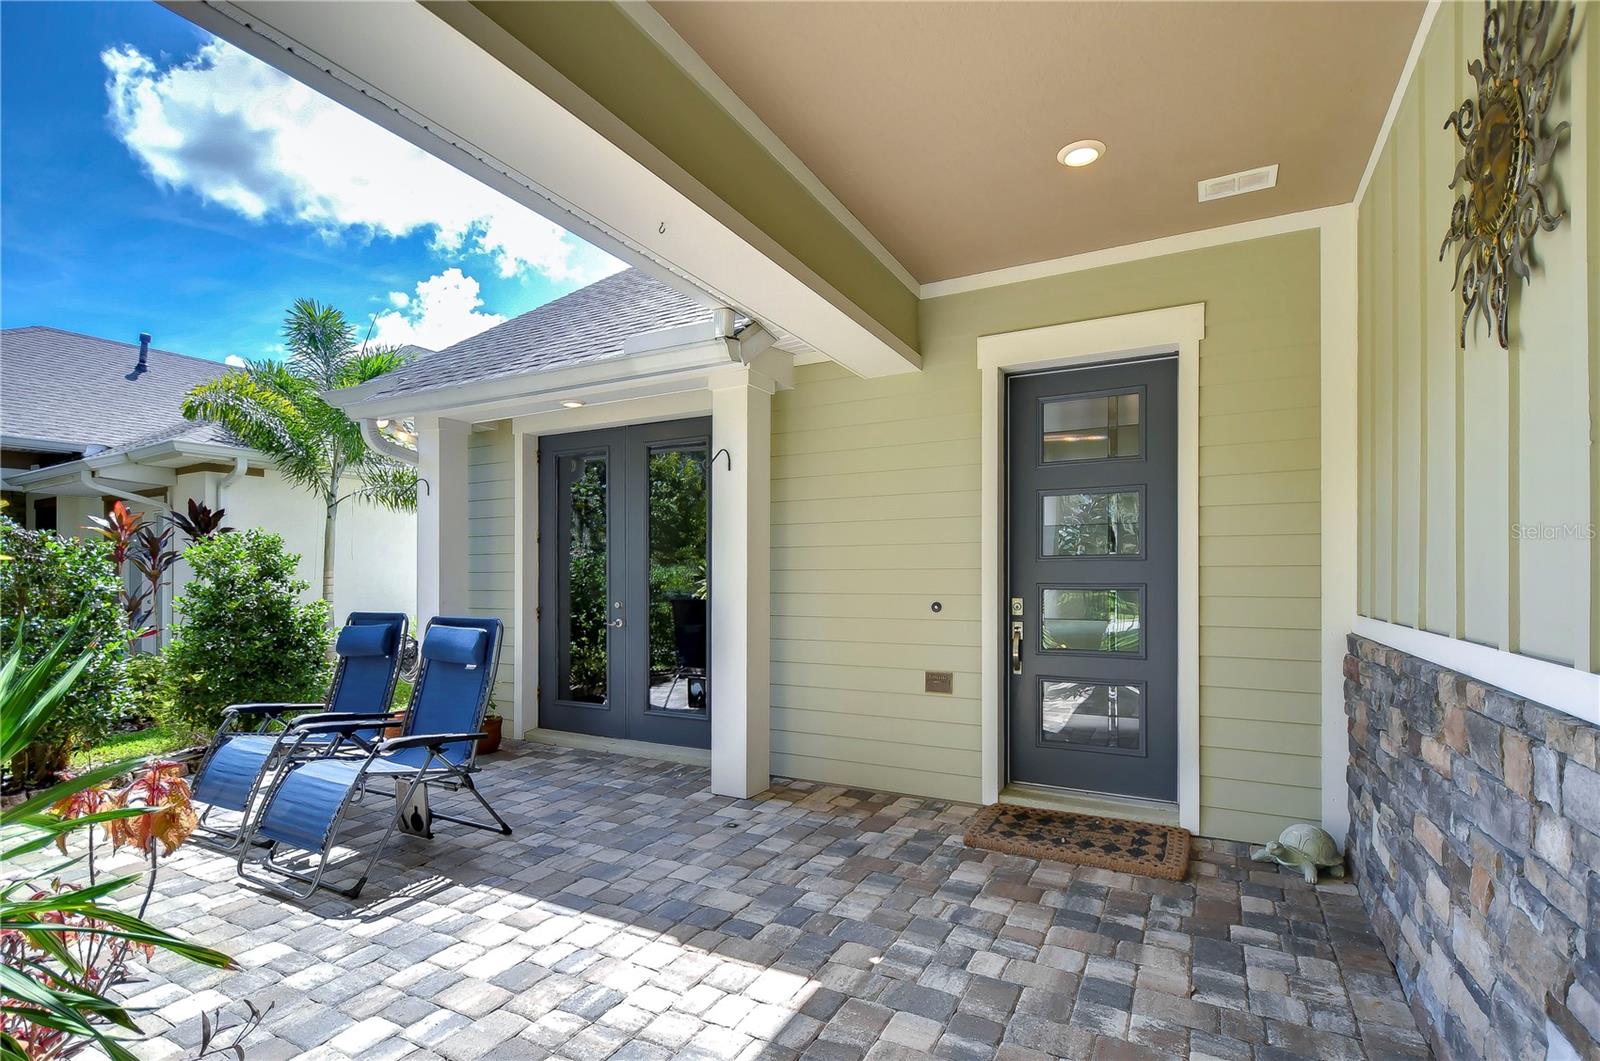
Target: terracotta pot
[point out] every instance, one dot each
(492, 725)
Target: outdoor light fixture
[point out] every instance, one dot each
(571, 403)
(1080, 153)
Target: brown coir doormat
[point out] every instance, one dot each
(1160, 851)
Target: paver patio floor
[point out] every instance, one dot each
(634, 915)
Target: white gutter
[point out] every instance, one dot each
(383, 444)
(86, 477)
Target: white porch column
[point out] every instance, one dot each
(73, 512)
(441, 518)
(741, 607)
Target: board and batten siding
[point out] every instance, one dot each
(1479, 473)
(875, 515)
(491, 542)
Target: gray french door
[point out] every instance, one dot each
(1093, 591)
(624, 551)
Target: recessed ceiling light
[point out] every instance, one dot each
(571, 403)
(1080, 153)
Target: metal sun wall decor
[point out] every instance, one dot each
(1507, 147)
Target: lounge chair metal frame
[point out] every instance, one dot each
(270, 721)
(447, 774)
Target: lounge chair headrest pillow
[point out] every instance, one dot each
(366, 639)
(462, 645)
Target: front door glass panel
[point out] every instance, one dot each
(1091, 428)
(1092, 619)
(1092, 523)
(677, 568)
(1098, 715)
(585, 581)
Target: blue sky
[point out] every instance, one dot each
(155, 179)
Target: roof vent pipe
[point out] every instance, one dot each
(144, 351)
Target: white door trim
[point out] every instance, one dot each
(1104, 339)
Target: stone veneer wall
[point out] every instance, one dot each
(1475, 840)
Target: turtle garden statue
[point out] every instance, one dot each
(1306, 848)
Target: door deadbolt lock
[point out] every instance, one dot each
(1016, 607)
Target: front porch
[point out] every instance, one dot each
(634, 914)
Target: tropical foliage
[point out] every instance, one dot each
(279, 409)
(44, 586)
(63, 949)
(201, 521)
(241, 632)
(147, 550)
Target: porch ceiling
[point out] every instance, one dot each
(937, 124)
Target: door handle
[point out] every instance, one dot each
(1016, 648)
(617, 622)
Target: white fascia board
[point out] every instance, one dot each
(490, 398)
(139, 466)
(40, 445)
(406, 69)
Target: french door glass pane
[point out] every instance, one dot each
(585, 579)
(1091, 620)
(678, 578)
(1096, 524)
(1077, 429)
(1092, 714)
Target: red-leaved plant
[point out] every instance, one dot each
(87, 955)
(148, 550)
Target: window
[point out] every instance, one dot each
(1077, 429)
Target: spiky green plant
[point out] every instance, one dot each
(64, 947)
(278, 407)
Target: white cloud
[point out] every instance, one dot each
(247, 137)
(235, 361)
(446, 310)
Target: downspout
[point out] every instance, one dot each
(86, 477)
(240, 466)
(385, 445)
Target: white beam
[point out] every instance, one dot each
(405, 68)
(741, 534)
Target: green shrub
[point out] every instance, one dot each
(46, 582)
(241, 633)
(145, 691)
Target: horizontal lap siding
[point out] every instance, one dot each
(1260, 492)
(491, 543)
(1479, 473)
(875, 515)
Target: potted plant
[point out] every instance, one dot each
(493, 724)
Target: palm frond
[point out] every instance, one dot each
(319, 339)
(266, 407)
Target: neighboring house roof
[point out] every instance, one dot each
(75, 391)
(590, 324)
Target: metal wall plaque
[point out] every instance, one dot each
(938, 681)
(1502, 198)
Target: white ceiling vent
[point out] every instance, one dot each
(1250, 180)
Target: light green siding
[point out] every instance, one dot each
(491, 542)
(876, 514)
(1478, 466)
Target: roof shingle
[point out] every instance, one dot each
(79, 390)
(589, 324)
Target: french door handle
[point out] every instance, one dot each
(617, 622)
(1016, 648)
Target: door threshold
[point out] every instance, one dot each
(637, 749)
(1099, 804)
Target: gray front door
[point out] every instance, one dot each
(1092, 598)
(624, 550)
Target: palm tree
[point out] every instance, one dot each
(277, 407)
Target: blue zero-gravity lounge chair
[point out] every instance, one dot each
(254, 737)
(305, 807)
